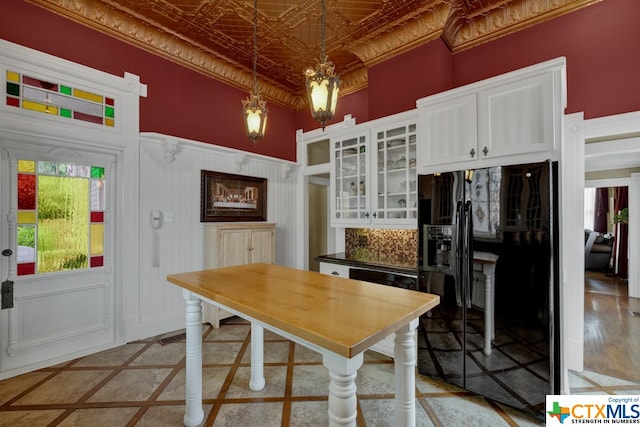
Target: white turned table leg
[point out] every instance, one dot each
(343, 403)
(194, 414)
(405, 374)
(256, 383)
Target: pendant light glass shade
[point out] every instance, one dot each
(322, 92)
(254, 108)
(322, 84)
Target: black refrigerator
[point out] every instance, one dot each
(488, 245)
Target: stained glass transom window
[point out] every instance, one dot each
(60, 217)
(60, 100)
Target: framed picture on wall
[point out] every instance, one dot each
(230, 197)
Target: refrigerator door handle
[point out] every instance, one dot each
(468, 265)
(460, 242)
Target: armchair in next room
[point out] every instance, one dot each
(598, 249)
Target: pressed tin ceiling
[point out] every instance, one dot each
(214, 37)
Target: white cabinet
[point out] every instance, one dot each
(332, 269)
(448, 130)
(513, 115)
(374, 175)
(395, 178)
(517, 117)
(229, 244)
(350, 162)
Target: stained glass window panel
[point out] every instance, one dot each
(26, 217)
(97, 216)
(13, 89)
(60, 217)
(13, 76)
(87, 95)
(26, 166)
(26, 191)
(97, 261)
(39, 83)
(87, 117)
(97, 172)
(97, 239)
(26, 268)
(36, 106)
(52, 98)
(13, 102)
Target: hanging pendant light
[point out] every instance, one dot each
(322, 84)
(254, 108)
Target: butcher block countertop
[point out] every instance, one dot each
(342, 315)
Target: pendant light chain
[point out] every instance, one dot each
(323, 32)
(255, 47)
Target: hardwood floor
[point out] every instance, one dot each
(612, 333)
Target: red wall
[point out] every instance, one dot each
(602, 46)
(396, 84)
(600, 43)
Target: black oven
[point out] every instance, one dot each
(384, 278)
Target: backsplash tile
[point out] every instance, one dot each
(383, 245)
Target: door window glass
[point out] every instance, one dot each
(60, 217)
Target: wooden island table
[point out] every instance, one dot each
(337, 317)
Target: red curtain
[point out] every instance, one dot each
(620, 250)
(601, 210)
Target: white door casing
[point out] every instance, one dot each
(37, 333)
(61, 314)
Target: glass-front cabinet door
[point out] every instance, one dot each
(395, 180)
(350, 180)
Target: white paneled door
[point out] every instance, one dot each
(57, 234)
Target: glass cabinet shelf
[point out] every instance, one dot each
(350, 179)
(396, 177)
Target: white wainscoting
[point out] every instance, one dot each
(170, 182)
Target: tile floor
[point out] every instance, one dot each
(142, 384)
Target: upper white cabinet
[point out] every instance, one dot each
(517, 114)
(395, 178)
(448, 130)
(373, 174)
(517, 117)
(350, 162)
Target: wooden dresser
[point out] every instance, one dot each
(235, 243)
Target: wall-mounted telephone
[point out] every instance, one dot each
(156, 219)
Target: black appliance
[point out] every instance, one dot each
(384, 278)
(510, 212)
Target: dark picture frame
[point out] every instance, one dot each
(231, 197)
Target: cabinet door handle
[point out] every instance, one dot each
(249, 249)
(375, 214)
(335, 273)
(472, 153)
(366, 214)
(485, 150)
